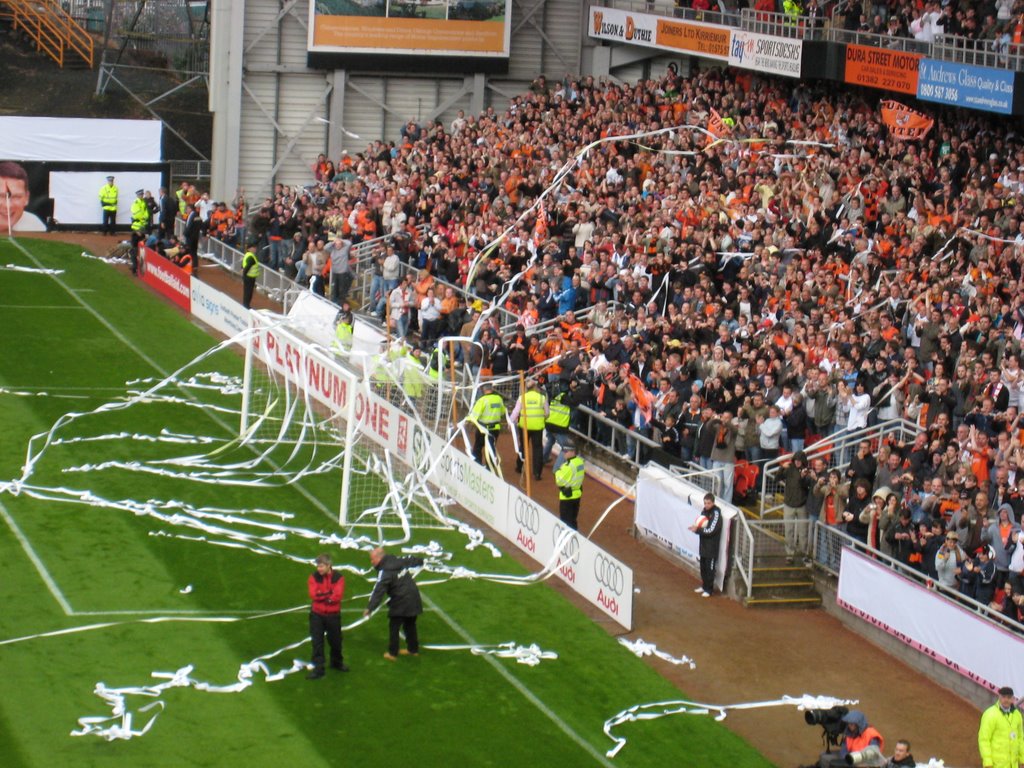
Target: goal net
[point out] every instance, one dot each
(353, 417)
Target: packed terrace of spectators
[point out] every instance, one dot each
(797, 273)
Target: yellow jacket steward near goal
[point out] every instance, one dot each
(488, 411)
(569, 478)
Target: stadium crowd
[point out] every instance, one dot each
(774, 271)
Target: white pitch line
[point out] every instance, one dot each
(172, 612)
(529, 695)
(47, 307)
(43, 573)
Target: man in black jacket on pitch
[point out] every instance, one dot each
(404, 602)
(709, 528)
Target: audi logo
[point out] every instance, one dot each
(609, 574)
(527, 516)
(570, 545)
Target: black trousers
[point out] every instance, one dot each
(408, 625)
(109, 221)
(569, 511)
(536, 438)
(708, 563)
(248, 286)
(330, 625)
(483, 437)
(341, 284)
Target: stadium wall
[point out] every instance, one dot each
(273, 114)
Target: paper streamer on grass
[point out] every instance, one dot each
(530, 655)
(642, 648)
(121, 723)
(655, 710)
(32, 270)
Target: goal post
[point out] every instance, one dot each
(312, 411)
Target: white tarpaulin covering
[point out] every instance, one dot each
(932, 623)
(667, 506)
(80, 140)
(76, 195)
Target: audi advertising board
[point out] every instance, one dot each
(600, 578)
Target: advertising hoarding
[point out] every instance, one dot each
(881, 68)
(615, 25)
(439, 29)
(766, 54)
(965, 85)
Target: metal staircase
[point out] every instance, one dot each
(52, 29)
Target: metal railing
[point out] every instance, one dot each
(708, 479)
(754, 539)
(783, 25)
(188, 170)
(723, 17)
(855, 37)
(835, 450)
(611, 437)
(827, 547)
(983, 53)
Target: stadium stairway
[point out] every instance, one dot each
(52, 30)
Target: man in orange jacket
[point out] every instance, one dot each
(326, 588)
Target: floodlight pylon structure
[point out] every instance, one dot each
(144, 39)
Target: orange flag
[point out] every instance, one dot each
(905, 123)
(717, 126)
(641, 396)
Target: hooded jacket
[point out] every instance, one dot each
(395, 581)
(865, 734)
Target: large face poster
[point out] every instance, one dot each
(25, 203)
(476, 29)
(35, 194)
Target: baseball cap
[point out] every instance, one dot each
(110, 178)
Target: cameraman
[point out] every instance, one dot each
(859, 737)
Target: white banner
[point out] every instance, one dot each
(314, 316)
(474, 487)
(216, 310)
(76, 194)
(80, 140)
(930, 623)
(667, 506)
(687, 38)
(764, 53)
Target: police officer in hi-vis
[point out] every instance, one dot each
(108, 204)
(569, 479)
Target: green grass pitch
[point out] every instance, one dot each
(71, 342)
